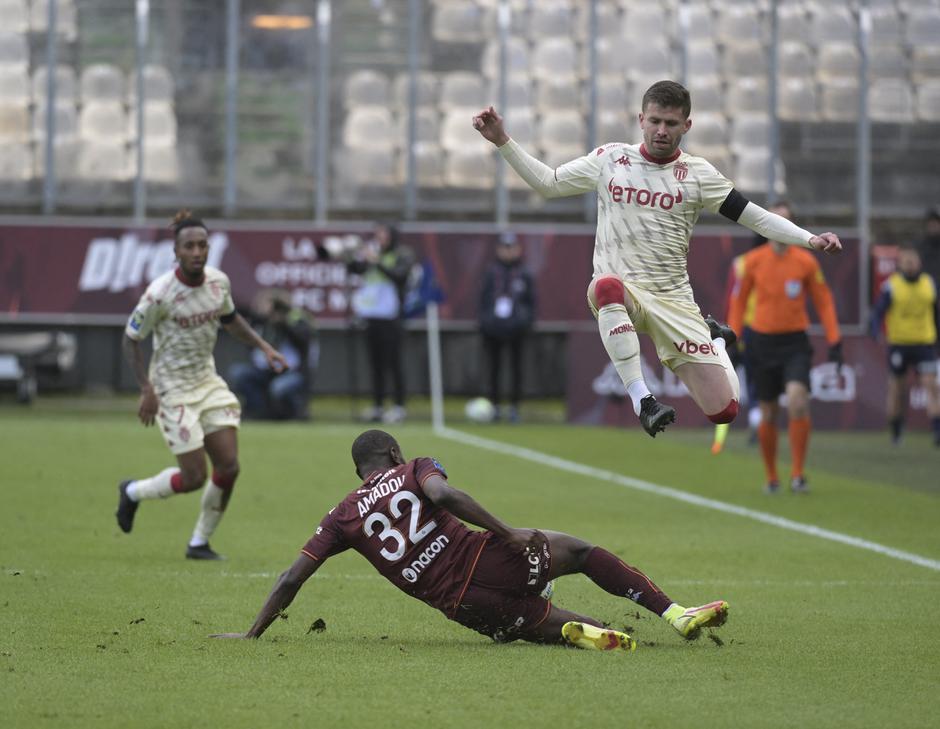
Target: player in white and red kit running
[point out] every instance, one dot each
(404, 519)
(649, 197)
(196, 412)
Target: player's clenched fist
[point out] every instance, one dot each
(490, 125)
(827, 243)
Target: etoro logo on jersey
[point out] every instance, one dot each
(642, 197)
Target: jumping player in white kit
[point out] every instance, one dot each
(196, 412)
(649, 197)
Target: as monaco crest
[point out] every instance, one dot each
(680, 170)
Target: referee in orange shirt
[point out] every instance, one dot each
(780, 277)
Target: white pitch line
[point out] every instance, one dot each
(636, 484)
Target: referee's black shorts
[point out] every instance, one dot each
(778, 359)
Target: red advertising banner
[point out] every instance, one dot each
(75, 270)
(848, 398)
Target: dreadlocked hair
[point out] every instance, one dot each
(185, 219)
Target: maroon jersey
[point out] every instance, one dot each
(420, 548)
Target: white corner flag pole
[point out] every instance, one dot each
(434, 367)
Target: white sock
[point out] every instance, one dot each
(720, 344)
(623, 348)
(753, 418)
(212, 508)
(157, 487)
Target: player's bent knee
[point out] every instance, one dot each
(224, 477)
(609, 290)
(726, 415)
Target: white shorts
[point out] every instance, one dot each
(676, 327)
(184, 425)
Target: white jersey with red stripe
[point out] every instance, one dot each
(184, 321)
(646, 210)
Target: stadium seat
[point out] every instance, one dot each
(558, 154)
(458, 21)
(161, 163)
(102, 82)
(642, 22)
(14, 85)
(66, 87)
(886, 25)
(14, 123)
(700, 18)
(891, 100)
(366, 89)
(719, 156)
(838, 60)
(427, 126)
(562, 129)
(551, 18)
(428, 88)
(364, 167)
(833, 23)
(611, 60)
(707, 97)
(429, 165)
(103, 161)
(925, 63)
(16, 162)
(839, 100)
(370, 127)
(795, 60)
(655, 60)
(738, 23)
(887, 61)
(458, 133)
(66, 23)
(928, 101)
(793, 24)
(747, 94)
(521, 125)
(158, 84)
(555, 58)
(797, 100)
(517, 58)
(103, 121)
(749, 132)
(608, 22)
(66, 121)
(519, 94)
(551, 96)
(15, 15)
(612, 127)
(612, 95)
(702, 62)
(66, 159)
(470, 169)
(159, 123)
(14, 51)
(751, 169)
(744, 58)
(462, 90)
(708, 130)
(923, 27)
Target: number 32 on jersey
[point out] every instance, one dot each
(377, 520)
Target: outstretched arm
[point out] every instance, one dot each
(285, 589)
(239, 328)
(775, 227)
(465, 507)
(572, 178)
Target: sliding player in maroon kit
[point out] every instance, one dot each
(404, 519)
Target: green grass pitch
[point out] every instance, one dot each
(100, 629)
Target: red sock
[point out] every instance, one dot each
(176, 482)
(767, 435)
(618, 578)
(799, 442)
(224, 481)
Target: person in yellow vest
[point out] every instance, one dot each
(908, 307)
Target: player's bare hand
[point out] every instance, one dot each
(527, 541)
(276, 361)
(229, 635)
(827, 243)
(148, 407)
(490, 125)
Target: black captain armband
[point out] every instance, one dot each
(228, 318)
(733, 205)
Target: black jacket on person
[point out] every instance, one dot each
(515, 282)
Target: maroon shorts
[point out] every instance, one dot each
(502, 598)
